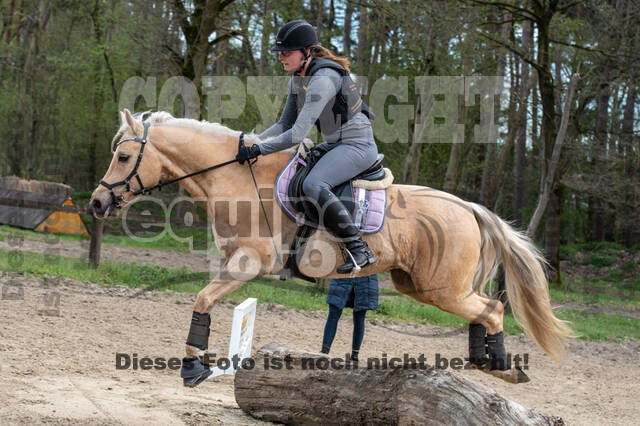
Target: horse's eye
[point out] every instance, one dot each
(123, 158)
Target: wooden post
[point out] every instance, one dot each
(96, 242)
(324, 284)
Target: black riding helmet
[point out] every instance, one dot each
(295, 35)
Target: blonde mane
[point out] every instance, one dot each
(163, 117)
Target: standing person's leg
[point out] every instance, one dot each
(330, 328)
(358, 333)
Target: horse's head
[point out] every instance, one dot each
(135, 166)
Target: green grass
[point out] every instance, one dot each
(569, 253)
(600, 290)
(602, 254)
(602, 260)
(294, 294)
(615, 274)
(13, 232)
(108, 273)
(629, 266)
(592, 326)
(583, 298)
(600, 246)
(185, 239)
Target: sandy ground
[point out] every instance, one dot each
(58, 360)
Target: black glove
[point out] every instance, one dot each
(247, 153)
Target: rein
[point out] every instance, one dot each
(117, 200)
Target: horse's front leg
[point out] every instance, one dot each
(239, 269)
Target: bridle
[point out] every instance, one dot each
(116, 200)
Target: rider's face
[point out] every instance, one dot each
(291, 59)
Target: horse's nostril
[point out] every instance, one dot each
(96, 205)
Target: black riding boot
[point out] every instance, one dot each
(337, 220)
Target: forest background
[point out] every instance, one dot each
(65, 66)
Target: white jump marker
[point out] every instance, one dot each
(244, 316)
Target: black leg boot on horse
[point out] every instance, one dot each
(487, 353)
(337, 220)
(194, 370)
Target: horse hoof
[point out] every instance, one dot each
(521, 375)
(515, 375)
(195, 381)
(194, 372)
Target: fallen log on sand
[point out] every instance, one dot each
(303, 391)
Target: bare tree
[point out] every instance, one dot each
(197, 27)
(521, 146)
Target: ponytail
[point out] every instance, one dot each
(318, 51)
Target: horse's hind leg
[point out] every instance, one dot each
(485, 327)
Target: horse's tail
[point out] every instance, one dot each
(526, 283)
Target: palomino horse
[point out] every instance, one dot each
(439, 249)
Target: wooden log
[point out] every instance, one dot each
(302, 394)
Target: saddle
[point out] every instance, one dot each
(367, 206)
(343, 191)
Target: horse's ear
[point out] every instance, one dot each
(123, 120)
(135, 125)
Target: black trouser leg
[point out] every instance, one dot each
(330, 328)
(336, 219)
(358, 333)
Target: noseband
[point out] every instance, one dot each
(116, 200)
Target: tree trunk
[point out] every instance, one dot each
(490, 149)
(390, 396)
(550, 174)
(346, 29)
(411, 166)
(553, 231)
(453, 166)
(19, 140)
(521, 146)
(198, 24)
(266, 31)
(97, 97)
(316, 10)
(363, 41)
(552, 139)
(631, 231)
(600, 159)
(535, 128)
(490, 192)
(411, 163)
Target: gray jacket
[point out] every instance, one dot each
(292, 127)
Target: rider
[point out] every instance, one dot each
(321, 92)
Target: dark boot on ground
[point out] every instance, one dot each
(337, 220)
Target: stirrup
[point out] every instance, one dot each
(369, 259)
(356, 267)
